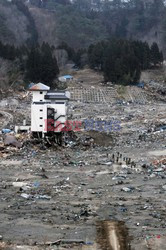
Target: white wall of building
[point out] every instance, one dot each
(38, 96)
(39, 112)
(37, 118)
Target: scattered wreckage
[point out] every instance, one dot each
(77, 194)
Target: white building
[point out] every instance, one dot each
(66, 78)
(48, 109)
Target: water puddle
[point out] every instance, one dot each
(112, 235)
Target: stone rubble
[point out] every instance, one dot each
(55, 195)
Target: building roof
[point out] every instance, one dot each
(67, 77)
(56, 96)
(31, 85)
(141, 84)
(39, 87)
(58, 92)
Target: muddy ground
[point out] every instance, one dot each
(106, 195)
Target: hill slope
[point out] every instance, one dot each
(16, 23)
(81, 23)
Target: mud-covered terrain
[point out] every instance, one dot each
(101, 190)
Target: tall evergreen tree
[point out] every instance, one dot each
(155, 54)
(42, 65)
(34, 65)
(121, 60)
(49, 67)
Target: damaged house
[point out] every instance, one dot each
(48, 110)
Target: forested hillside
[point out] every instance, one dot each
(87, 21)
(104, 34)
(82, 22)
(17, 26)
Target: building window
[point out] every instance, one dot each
(41, 125)
(41, 117)
(41, 100)
(41, 92)
(41, 110)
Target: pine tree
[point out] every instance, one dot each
(155, 54)
(42, 65)
(161, 57)
(96, 54)
(121, 60)
(49, 67)
(33, 65)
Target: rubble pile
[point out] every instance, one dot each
(55, 196)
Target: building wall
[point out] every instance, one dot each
(60, 114)
(38, 117)
(62, 79)
(61, 110)
(39, 96)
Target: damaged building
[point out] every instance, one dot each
(48, 109)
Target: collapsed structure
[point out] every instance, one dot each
(48, 110)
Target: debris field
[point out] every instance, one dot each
(98, 182)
